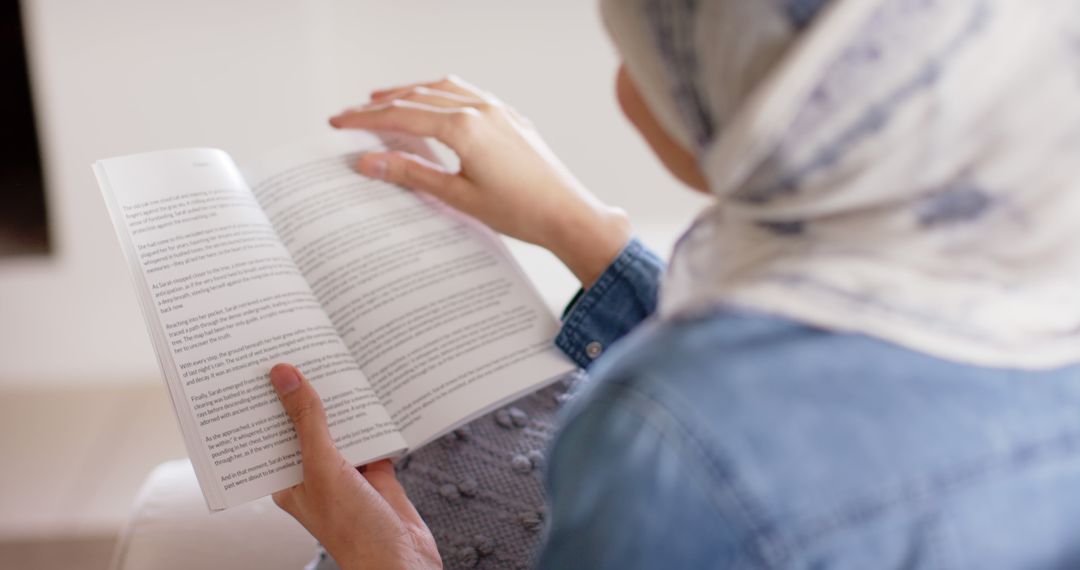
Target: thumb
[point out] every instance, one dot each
(304, 408)
(417, 173)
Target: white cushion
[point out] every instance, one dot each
(171, 528)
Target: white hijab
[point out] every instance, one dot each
(906, 169)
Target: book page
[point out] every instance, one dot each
(224, 302)
(436, 312)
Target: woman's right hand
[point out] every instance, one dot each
(509, 178)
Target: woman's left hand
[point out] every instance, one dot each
(362, 517)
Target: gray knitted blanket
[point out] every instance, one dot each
(480, 488)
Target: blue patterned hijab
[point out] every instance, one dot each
(906, 169)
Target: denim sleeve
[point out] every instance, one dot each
(628, 490)
(620, 299)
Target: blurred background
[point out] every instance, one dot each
(83, 415)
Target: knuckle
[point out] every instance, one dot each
(344, 468)
(418, 177)
(466, 118)
(413, 94)
(461, 124)
(408, 174)
(462, 128)
(443, 84)
(302, 411)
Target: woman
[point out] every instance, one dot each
(863, 354)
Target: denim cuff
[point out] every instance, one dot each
(620, 299)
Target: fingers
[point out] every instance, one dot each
(434, 97)
(447, 124)
(450, 83)
(416, 173)
(305, 410)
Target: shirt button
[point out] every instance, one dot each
(593, 349)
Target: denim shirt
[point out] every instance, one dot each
(740, 440)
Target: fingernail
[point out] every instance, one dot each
(335, 121)
(374, 167)
(284, 378)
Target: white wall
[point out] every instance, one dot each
(121, 76)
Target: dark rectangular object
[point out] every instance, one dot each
(23, 219)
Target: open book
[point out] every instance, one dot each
(409, 319)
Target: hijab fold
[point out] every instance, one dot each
(905, 169)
